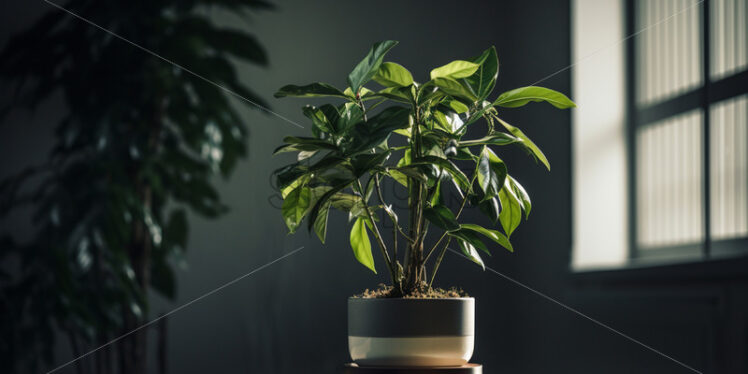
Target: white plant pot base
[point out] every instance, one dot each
(411, 351)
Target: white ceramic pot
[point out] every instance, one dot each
(411, 332)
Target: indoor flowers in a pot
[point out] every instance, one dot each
(415, 135)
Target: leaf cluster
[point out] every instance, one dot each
(349, 155)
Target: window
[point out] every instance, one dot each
(599, 174)
(687, 114)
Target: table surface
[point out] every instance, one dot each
(466, 369)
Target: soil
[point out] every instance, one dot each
(384, 292)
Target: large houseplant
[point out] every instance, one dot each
(344, 164)
(138, 149)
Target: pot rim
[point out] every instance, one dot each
(409, 298)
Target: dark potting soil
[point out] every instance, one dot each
(385, 291)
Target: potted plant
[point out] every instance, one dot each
(344, 164)
(137, 147)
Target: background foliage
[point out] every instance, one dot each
(138, 148)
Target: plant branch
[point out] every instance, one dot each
(438, 261)
(360, 104)
(415, 189)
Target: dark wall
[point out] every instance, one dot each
(290, 317)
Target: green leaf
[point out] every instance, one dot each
(391, 74)
(449, 122)
(459, 177)
(521, 194)
(318, 118)
(398, 176)
(303, 144)
(361, 244)
(350, 115)
(294, 207)
(332, 115)
(316, 209)
(491, 173)
(523, 95)
(484, 79)
(320, 224)
(368, 67)
(406, 159)
(310, 90)
(497, 138)
(402, 173)
(469, 251)
(470, 237)
(289, 174)
(404, 132)
(458, 106)
(365, 94)
(527, 143)
(329, 161)
(489, 207)
(334, 175)
(436, 198)
(454, 88)
(293, 185)
(494, 235)
(485, 107)
(303, 155)
(436, 151)
(511, 211)
(347, 202)
(367, 135)
(442, 218)
(365, 162)
(295, 148)
(401, 94)
(456, 69)
(463, 153)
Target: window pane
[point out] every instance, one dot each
(668, 48)
(669, 182)
(729, 172)
(729, 53)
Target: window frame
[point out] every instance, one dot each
(701, 97)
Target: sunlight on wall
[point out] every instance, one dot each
(600, 237)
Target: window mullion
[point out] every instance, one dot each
(706, 124)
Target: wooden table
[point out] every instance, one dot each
(466, 369)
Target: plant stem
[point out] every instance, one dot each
(394, 242)
(363, 108)
(439, 261)
(414, 256)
